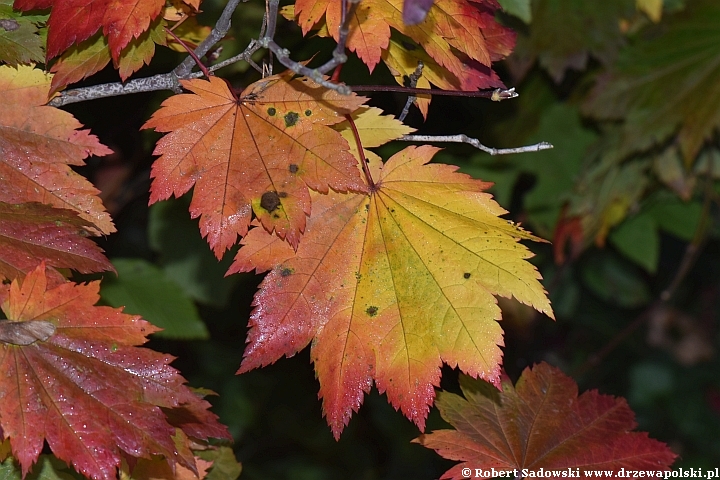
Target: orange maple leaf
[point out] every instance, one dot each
(38, 143)
(390, 284)
(451, 26)
(258, 152)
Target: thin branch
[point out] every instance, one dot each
(165, 81)
(495, 95)
(339, 56)
(475, 143)
(414, 77)
(218, 33)
(314, 74)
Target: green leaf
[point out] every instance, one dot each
(676, 217)
(614, 280)
(555, 170)
(667, 83)
(143, 289)
(185, 256)
(637, 238)
(565, 33)
(21, 41)
(47, 468)
(225, 465)
(519, 8)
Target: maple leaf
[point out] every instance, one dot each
(79, 62)
(92, 55)
(21, 36)
(387, 285)
(32, 232)
(541, 423)
(450, 26)
(73, 21)
(667, 85)
(37, 145)
(402, 57)
(73, 376)
(257, 153)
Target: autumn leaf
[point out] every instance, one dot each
(80, 61)
(31, 233)
(389, 285)
(73, 376)
(402, 58)
(451, 26)
(139, 51)
(73, 21)
(541, 423)
(257, 153)
(37, 146)
(667, 85)
(21, 36)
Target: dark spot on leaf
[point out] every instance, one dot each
(25, 333)
(409, 46)
(271, 111)
(282, 194)
(286, 272)
(270, 201)
(372, 311)
(293, 168)
(466, 275)
(291, 119)
(9, 25)
(308, 112)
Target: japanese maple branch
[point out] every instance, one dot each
(475, 143)
(165, 81)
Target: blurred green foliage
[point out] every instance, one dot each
(629, 197)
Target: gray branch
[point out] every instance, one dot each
(475, 143)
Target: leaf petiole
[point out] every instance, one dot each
(361, 153)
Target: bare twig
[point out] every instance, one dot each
(218, 32)
(163, 81)
(414, 77)
(494, 95)
(475, 143)
(339, 56)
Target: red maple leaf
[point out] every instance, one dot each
(73, 376)
(72, 21)
(33, 232)
(541, 423)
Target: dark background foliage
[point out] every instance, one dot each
(628, 197)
